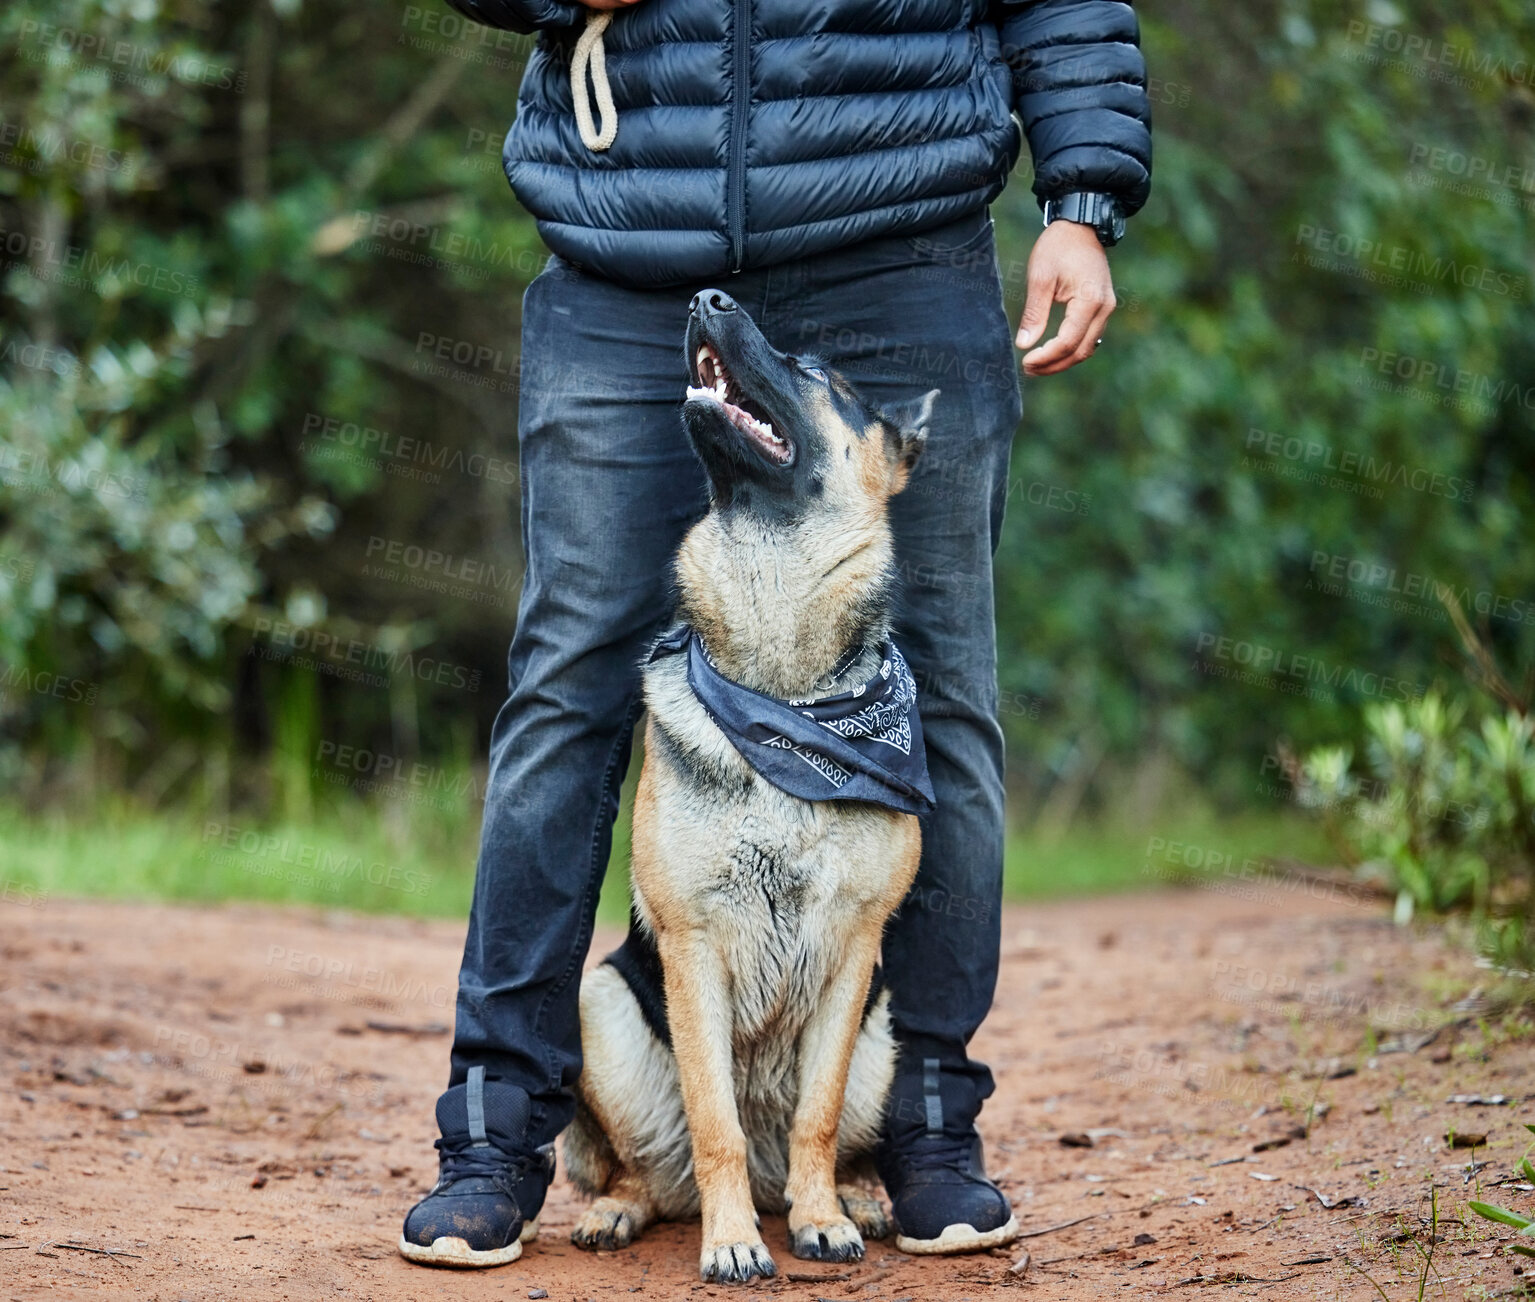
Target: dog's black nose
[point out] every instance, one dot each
(711, 301)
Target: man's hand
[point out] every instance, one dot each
(1068, 266)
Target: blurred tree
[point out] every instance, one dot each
(1315, 404)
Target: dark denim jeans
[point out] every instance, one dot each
(609, 486)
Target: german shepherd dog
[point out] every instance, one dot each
(738, 1050)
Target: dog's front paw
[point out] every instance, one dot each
(834, 1240)
(608, 1224)
(735, 1263)
(865, 1211)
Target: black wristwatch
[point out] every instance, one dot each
(1103, 212)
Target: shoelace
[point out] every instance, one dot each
(936, 1152)
(462, 1158)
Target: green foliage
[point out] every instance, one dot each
(1259, 438)
(1444, 813)
(1525, 1224)
(126, 558)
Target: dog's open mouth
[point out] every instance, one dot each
(717, 385)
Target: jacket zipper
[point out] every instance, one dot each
(740, 111)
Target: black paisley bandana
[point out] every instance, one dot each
(864, 744)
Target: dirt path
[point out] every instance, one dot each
(241, 1098)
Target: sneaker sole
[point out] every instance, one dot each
(455, 1252)
(959, 1238)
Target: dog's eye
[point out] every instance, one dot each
(815, 372)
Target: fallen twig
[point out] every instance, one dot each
(317, 1126)
(1235, 1277)
(1051, 1229)
(114, 1253)
(1347, 1200)
(404, 1028)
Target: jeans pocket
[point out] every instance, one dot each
(969, 241)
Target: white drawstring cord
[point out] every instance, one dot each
(589, 51)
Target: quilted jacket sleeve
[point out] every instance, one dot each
(521, 15)
(1079, 84)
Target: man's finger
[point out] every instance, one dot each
(1036, 310)
(1080, 314)
(1089, 345)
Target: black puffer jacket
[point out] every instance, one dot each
(756, 131)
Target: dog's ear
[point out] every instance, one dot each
(906, 425)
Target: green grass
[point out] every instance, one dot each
(354, 855)
(1182, 847)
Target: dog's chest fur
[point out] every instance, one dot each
(779, 885)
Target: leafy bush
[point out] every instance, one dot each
(1444, 813)
(129, 554)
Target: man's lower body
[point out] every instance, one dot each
(609, 486)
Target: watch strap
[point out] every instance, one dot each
(1100, 211)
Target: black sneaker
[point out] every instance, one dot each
(935, 1173)
(490, 1189)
